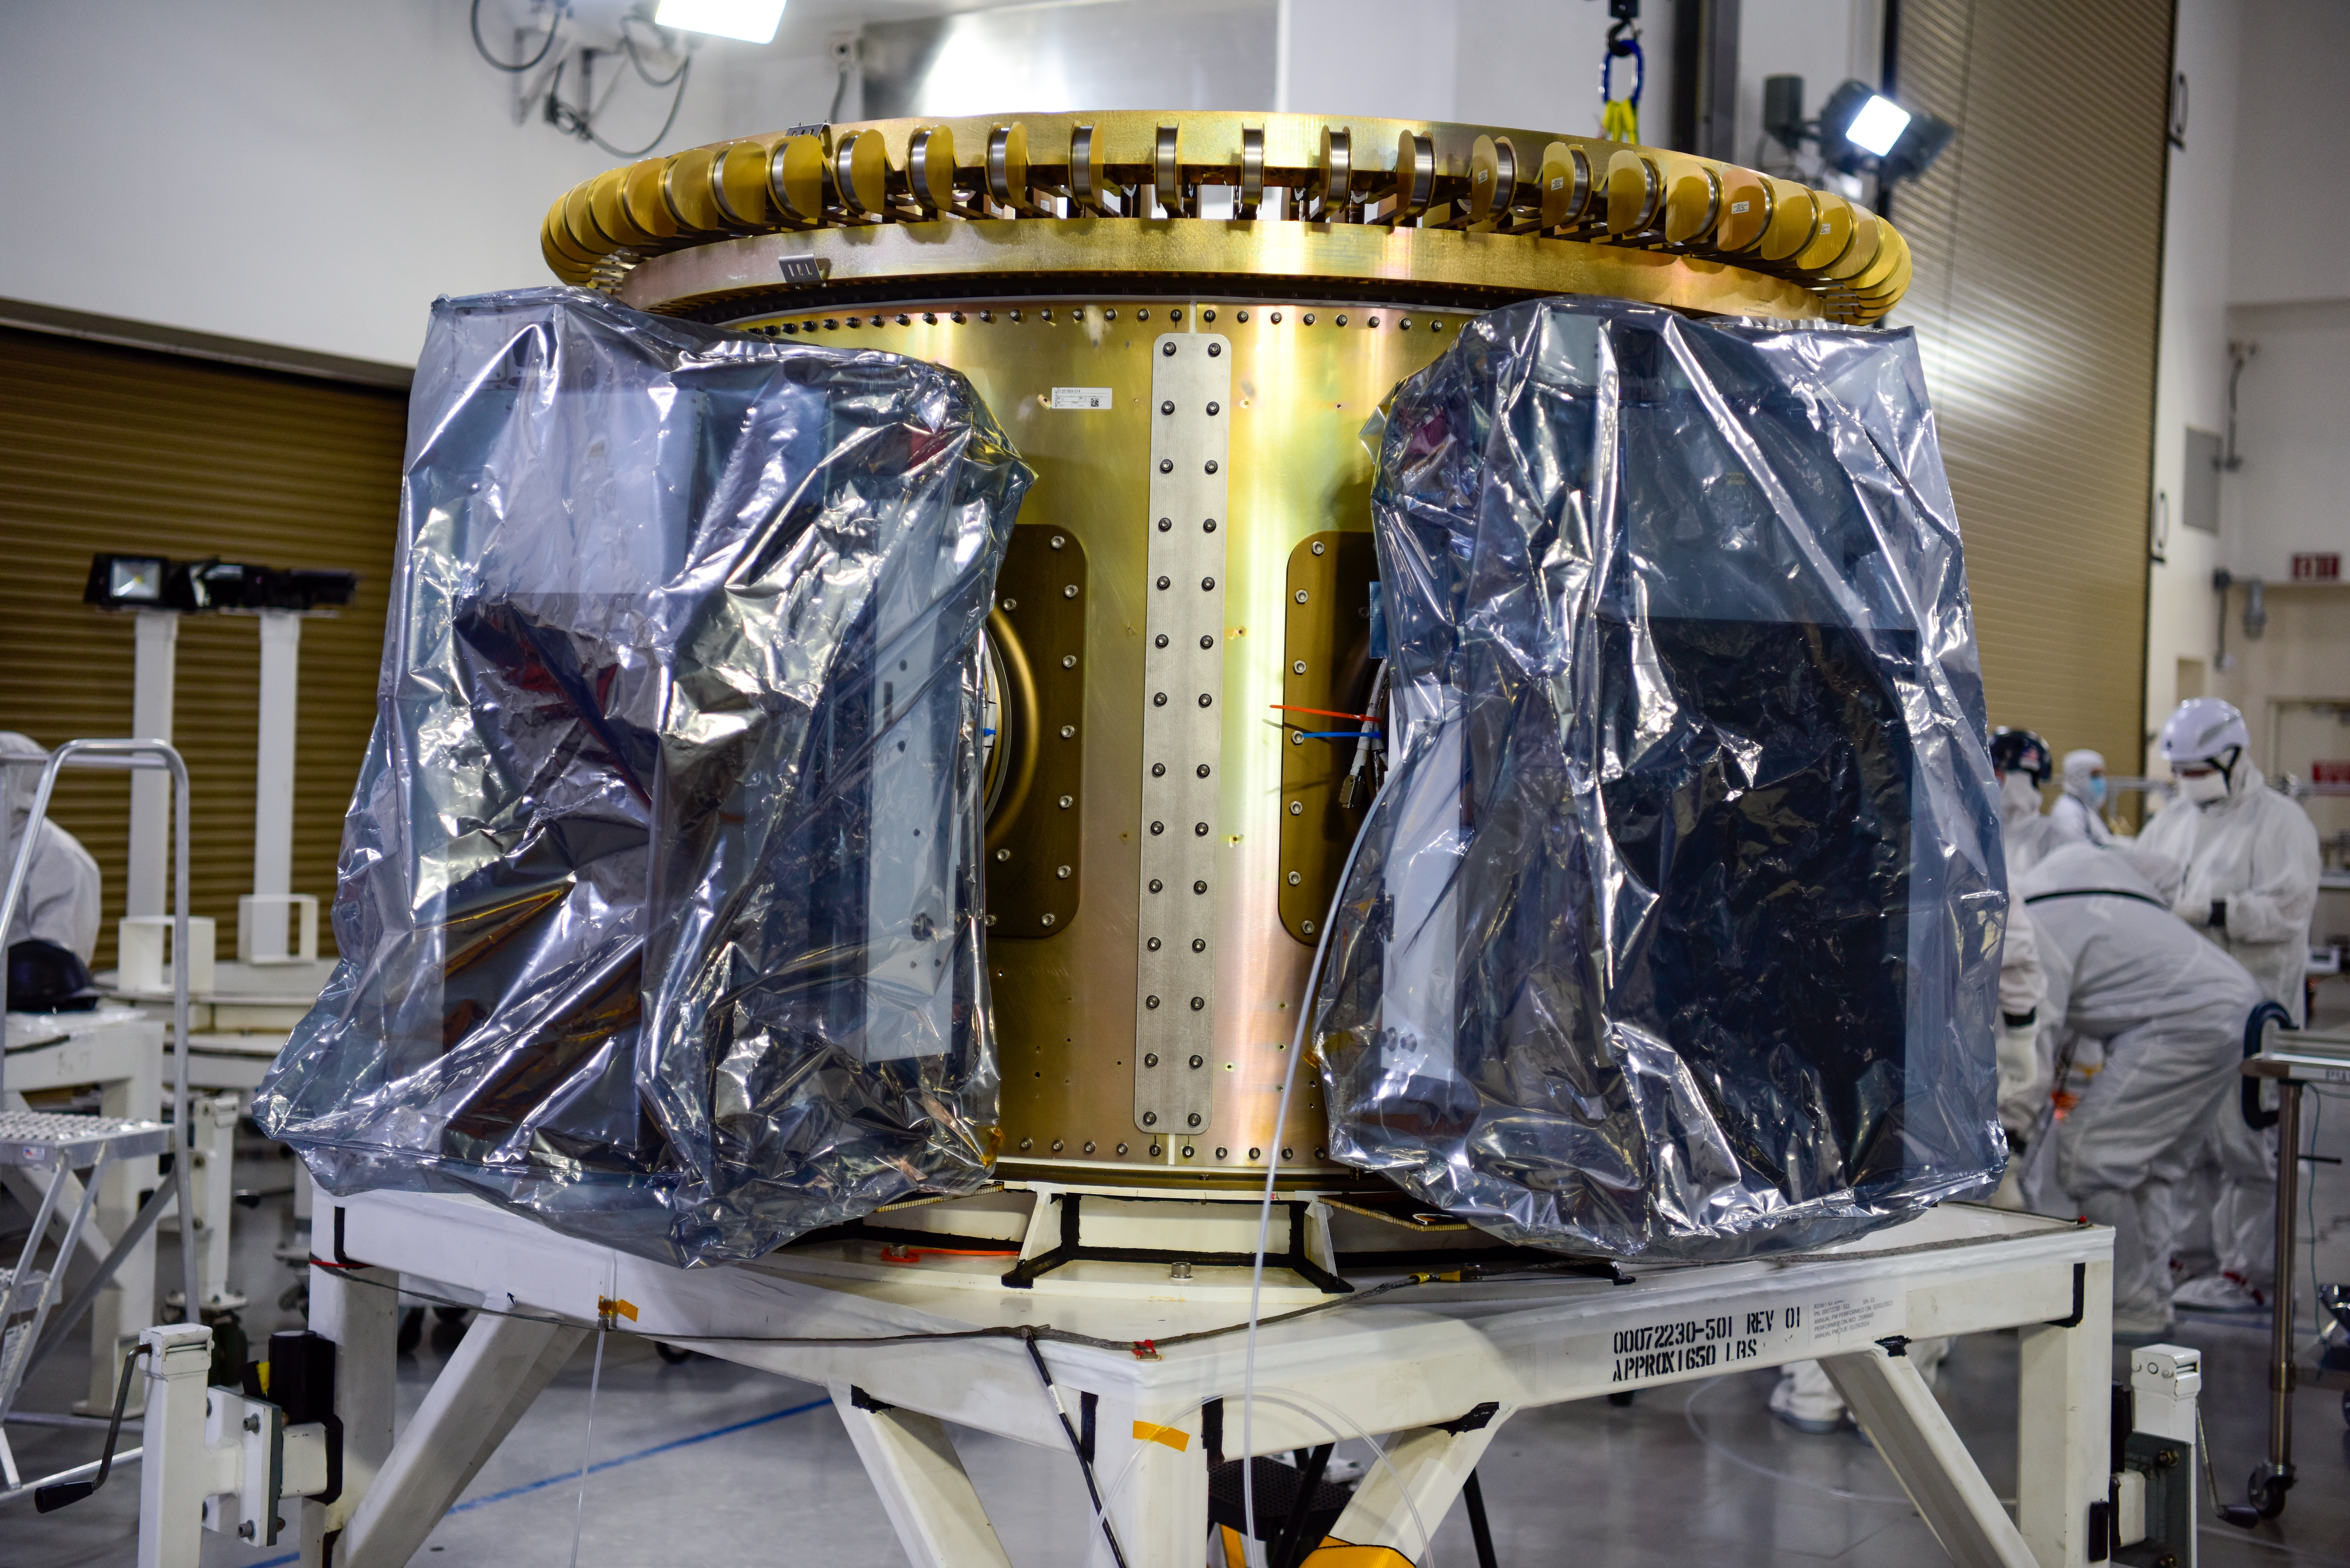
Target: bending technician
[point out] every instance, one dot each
(2169, 1009)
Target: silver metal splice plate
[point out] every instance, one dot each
(1182, 726)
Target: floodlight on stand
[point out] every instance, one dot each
(752, 21)
(1878, 124)
(1833, 130)
(126, 582)
(1921, 142)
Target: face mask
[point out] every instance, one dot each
(2203, 788)
(2097, 790)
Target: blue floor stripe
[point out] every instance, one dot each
(602, 1465)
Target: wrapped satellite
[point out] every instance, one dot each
(1675, 932)
(659, 902)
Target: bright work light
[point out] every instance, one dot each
(1878, 124)
(753, 21)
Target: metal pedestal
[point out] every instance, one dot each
(1437, 1368)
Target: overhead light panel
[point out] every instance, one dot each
(1878, 124)
(753, 21)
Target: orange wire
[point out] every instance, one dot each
(1325, 712)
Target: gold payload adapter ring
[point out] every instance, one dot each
(1183, 608)
(1404, 212)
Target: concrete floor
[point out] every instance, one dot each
(710, 1464)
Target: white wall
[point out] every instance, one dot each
(2191, 371)
(2291, 228)
(2293, 493)
(312, 175)
(1822, 41)
(305, 174)
(2252, 253)
(1533, 64)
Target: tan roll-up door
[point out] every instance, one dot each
(2037, 242)
(108, 448)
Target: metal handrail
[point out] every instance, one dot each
(129, 756)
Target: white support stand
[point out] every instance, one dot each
(176, 1472)
(261, 916)
(1887, 1397)
(924, 1490)
(359, 1309)
(126, 1062)
(212, 1131)
(154, 671)
(495, 1374)
(214, 1458)
(1442, 1364)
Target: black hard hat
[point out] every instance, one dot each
(2021, 751)
(45, 978)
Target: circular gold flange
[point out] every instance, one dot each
(947, 260)
(905, 209)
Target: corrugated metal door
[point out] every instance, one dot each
(105, 447)
(2038, 247)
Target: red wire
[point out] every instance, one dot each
(1325, 712)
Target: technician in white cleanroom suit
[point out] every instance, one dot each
(2019, 759)
(59, 903)
(2169, 1009)
(2079, 814)
(2245, 859)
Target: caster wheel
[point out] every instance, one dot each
(2266, 1491)
(1622, 1398)
(411, 1331)
(675, 1355)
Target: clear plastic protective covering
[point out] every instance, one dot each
(659, 903)
(1675, 932)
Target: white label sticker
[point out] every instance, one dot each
(1764, 1328)
(1739, 207)
(1081, 398)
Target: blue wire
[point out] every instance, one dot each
(1336, 734)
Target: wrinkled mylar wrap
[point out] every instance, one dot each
(659, 900)
(1675, 932)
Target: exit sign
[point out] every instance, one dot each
(2318, 568)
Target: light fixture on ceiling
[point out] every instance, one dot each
(753, 21)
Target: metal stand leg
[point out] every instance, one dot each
(1893, 1405)
(213, 1131)
(1160, 1509)
(359, 1309)
(496, 1373)
(2064, 1457)
(1424, 1472)
(938, 1516)
(126, 1305)
(2270, 1484)
(175, 1470)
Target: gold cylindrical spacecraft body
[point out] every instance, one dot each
(1184, 321)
